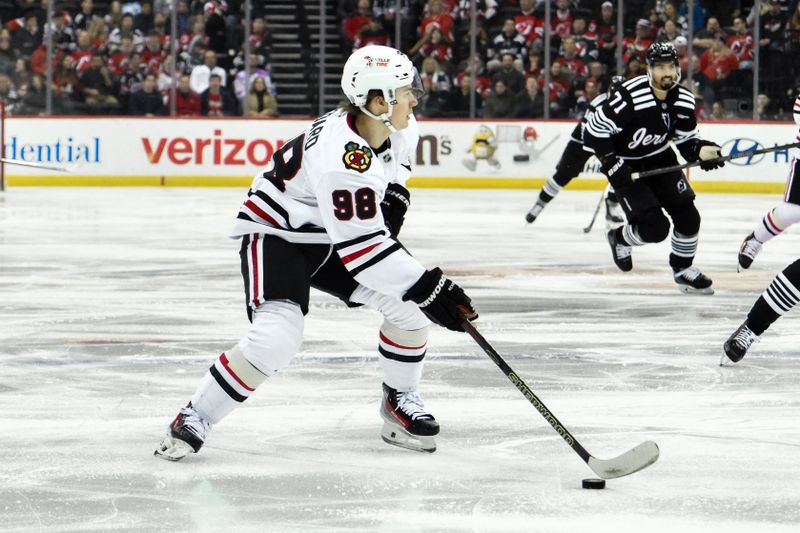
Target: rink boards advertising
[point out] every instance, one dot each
(451, 153)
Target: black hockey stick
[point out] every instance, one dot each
(629, 462)
(746, 153)
(588, 228)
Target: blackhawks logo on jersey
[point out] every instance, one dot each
(357, 157)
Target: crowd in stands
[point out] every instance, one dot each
(510, 48)
(113, 57)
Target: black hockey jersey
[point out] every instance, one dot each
(597, 101)
(634, 124)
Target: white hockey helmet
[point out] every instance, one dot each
(380, 68)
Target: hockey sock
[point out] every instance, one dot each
(550, 190)
(684, 248)
(781, 296)
(776, 221)
(401, 354)
(228, 383)
(628, 235)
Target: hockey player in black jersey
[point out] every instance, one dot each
(572, 162)
(631, 132)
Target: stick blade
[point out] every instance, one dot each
(629, 462)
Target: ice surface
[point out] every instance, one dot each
(113, 302)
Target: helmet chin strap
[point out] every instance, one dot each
(383, 117)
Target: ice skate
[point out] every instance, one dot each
(186, 435)
(738, 343)
(692, 281)
(615, 216)
(406, 422)
(748, 252)
(531, 215)
(620, 252)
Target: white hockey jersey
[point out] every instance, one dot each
(326, 186)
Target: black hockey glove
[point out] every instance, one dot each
(441, 300)
(395, 203)
(699, 150)
(618, 172)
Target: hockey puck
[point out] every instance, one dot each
(592, 483)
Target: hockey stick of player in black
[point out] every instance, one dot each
(629, 462)
(746, 153)
(588, 228)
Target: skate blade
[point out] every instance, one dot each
(172, 449)
(691, 290)
(725, 361)
(392, 434)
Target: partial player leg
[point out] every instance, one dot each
(646, 224)
(678, 200)
(773, 224)
(570, 165)
(276, 294)
(615, 216)
(402, 345)
(270, 344)
(781, 296)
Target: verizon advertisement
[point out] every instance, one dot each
(454, 153)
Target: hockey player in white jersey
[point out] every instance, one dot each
(325, 213)
(782, 215)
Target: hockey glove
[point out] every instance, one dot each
(709, 150)
(441, 300)
(394, 205)
(618, 172)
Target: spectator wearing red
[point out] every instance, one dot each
(433, 45)
(118, 61)
(558, 92)
(82, 54)
(187, 102)
(717, 62)
(153, 54)
(371, 33)
(585, 40)
(215, 101)
(261, 39)
(572, 66)
(741, 42)
(534, 66)
(356, 20)
(637, 45)
(482, 82)
(527, 23)
(561, 22)
(437, 17)
(194, 36)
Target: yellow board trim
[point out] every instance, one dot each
(581, 184)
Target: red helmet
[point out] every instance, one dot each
(530, 134)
